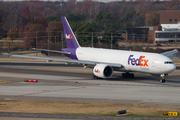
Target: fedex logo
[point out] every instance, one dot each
(68, 36)
(141, 61)
(97, 70)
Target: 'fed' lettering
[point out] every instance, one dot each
(141, 61)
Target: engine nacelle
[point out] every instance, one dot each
(103, 71)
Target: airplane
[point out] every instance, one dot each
(105, 61)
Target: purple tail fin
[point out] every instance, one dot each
(71, 40)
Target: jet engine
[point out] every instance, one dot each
(103, 71)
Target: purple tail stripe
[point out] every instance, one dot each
(71, 41)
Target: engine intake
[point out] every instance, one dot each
(103, 71)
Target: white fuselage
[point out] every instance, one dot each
(152, 63)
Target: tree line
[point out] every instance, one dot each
(24, 18)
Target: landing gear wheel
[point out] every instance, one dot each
(123, 75)
(162, 78)
(162, 81)
(127, 75)
(131, 75)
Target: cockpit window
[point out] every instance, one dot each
(168, 62)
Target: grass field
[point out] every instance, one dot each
(83, 108)
(176, 61)
(4, 81)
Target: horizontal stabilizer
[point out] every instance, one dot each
(52, 51)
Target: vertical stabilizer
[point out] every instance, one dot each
(71, 40)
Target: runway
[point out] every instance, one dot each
(59, 82)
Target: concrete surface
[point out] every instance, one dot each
(74, 83)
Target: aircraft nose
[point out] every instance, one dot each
(171, 68)
(174, 67)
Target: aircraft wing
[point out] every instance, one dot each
(67, 60)
(170, 53)
(52, 51)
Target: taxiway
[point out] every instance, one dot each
(61, 82)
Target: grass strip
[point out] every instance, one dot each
(5, 81)
(84, 108)
(176, 61)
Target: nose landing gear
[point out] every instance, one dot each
(162, 80)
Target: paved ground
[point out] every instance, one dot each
(20, 116)
(74, 83)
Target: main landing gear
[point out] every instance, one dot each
(127, 75)
(162, 80)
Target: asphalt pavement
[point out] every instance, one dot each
(74, 83)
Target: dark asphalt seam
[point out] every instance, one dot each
(48, 91)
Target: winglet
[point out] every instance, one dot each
(71, 40)
(170, 53)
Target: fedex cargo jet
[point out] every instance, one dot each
(105, 61)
